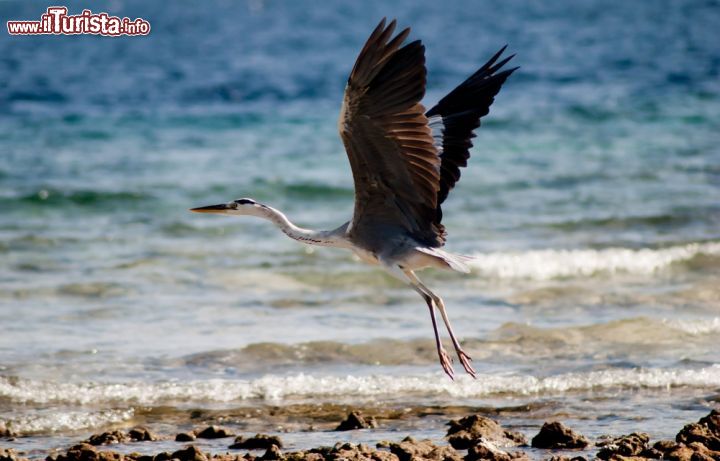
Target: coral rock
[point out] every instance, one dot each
(142, 434)
(626, 446)
(259, 441)
(468, 431)
(272, 454)
(706, 431)
(107, 438)
(185, 437)
(411, 449)
(354, 421)
(214, 432)
(190, 453)
(556, 435)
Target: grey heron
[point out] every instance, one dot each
(404, 163)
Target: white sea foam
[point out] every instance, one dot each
(550, 264)
(695, 327)
(60, 421)
(278, 388)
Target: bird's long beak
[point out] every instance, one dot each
(221, 208)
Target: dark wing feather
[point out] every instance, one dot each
(458, 114)
(395, 164)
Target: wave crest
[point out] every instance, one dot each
(44, 422)
(553, 264)
(276, 388)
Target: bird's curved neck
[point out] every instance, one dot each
(311, 237)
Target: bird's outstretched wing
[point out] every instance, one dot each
(394, 161)
(458, 114)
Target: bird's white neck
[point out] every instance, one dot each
(311, 237)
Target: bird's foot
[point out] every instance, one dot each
(446, 363)
(465, 360)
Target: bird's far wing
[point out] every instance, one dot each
(395, 164)
(458, 114)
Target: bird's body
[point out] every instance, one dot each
(404, 162)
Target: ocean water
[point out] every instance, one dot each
(591, 204)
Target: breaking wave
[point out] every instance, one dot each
(43, 422)
(553, 264)
(276, 388)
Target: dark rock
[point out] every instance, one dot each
(142, 457)
(259, 441)
(162, 456)
(706, 431)
(411, 449)
(626, 445)
(107, 438)
(466, 432)
(695, 442)
(214, 432)
(556, 435)
(322, 450)
(664, 446)
(651, 453)
(354, 421)
(272, 454)
(190, 453)
(142, 434)
(80, 452)
(138, 434)
(698, 456)
(185, 437)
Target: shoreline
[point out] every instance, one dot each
(469, 438)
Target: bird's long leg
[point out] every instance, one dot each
(445, 360)
(465, 359)
(409, 277)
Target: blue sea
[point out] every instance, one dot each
(591, 204)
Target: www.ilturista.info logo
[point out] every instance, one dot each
(57, 22)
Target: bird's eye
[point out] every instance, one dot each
(244, 201)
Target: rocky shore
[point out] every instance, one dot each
(471, 438)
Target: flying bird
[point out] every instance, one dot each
(404, 163)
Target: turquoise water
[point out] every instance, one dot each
(591, 203)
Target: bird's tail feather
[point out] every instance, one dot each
(454, 261)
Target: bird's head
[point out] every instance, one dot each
(239, 207)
